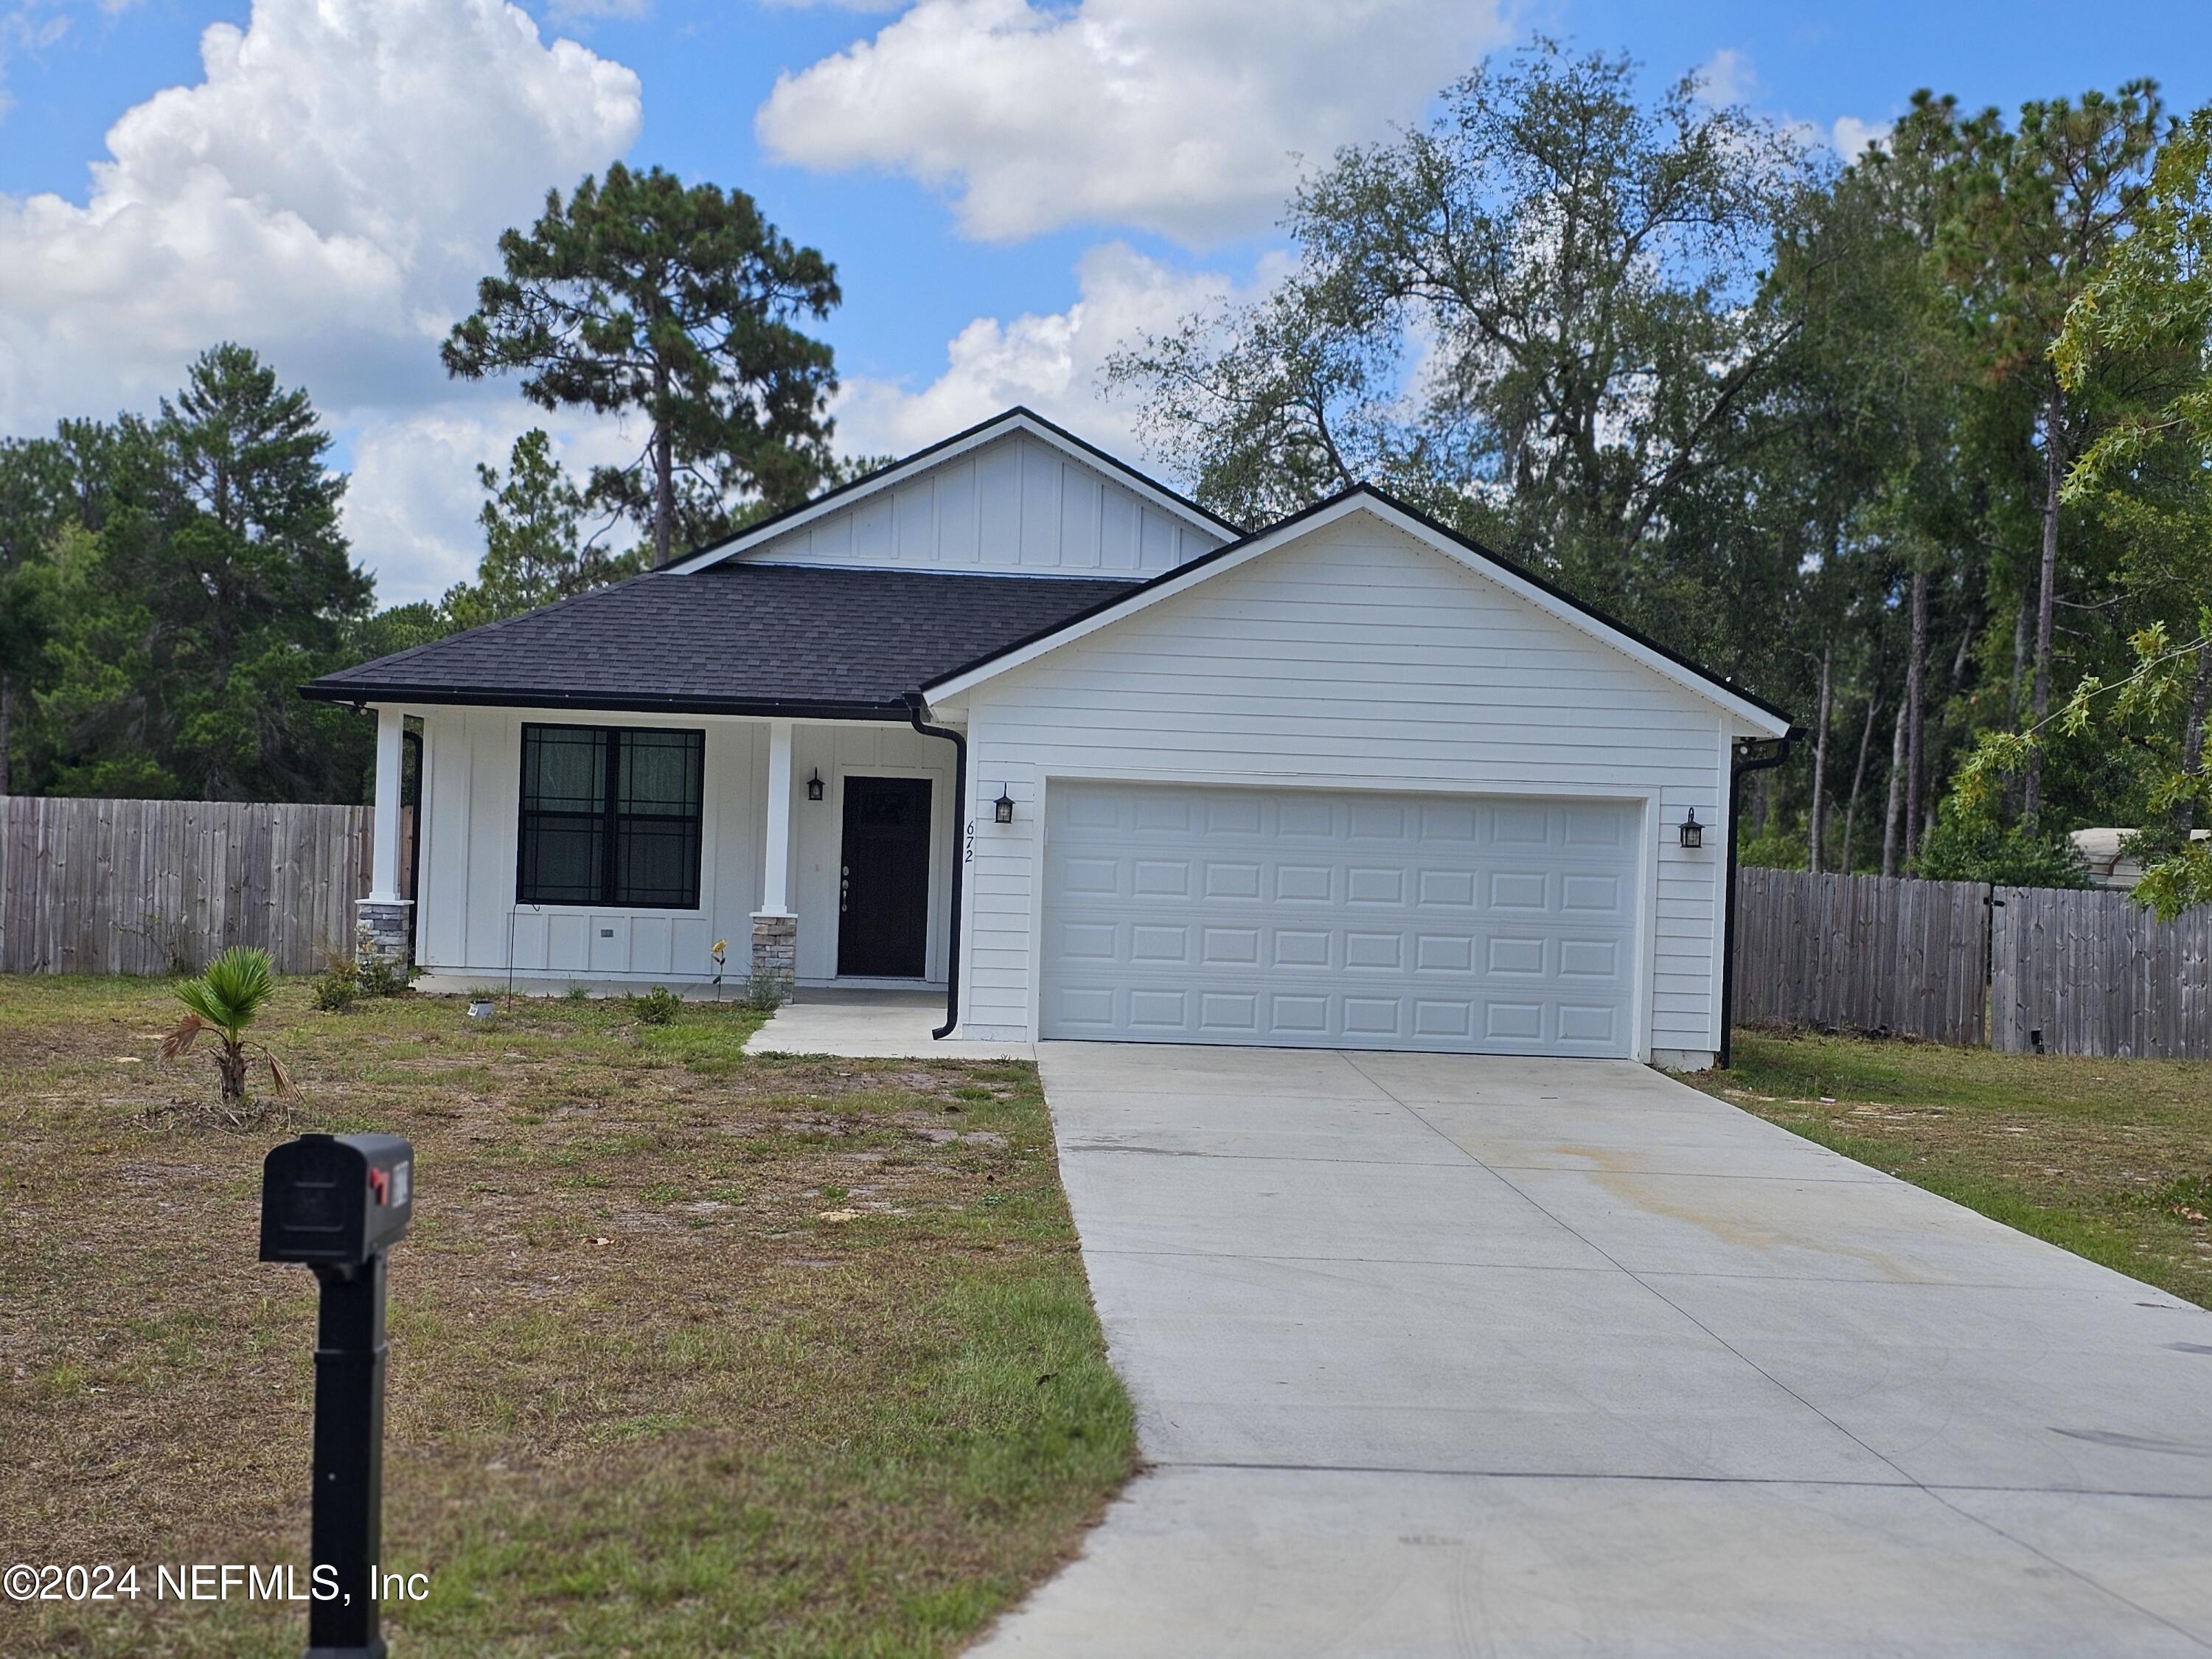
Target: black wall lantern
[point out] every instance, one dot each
(814, 786)
(1003, 808)
(1693, 833)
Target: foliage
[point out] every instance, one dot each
(679, 303)
(170, 583)
(337, 986)
(766, 991)
(1798, 421)
(2151, 472)
(1966, 846)
(226, 998)
(1528, 316)
(2179, 873)
(534, 548)
(658, 1007)
(345, 979)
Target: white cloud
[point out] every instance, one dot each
(1727, 77)
(1052, 362)
(413, 496)
(328, 193)
(1852, 136)
(1178, 116)
(565, 11)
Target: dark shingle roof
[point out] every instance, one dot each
(734, 638)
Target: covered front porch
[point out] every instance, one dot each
(613, 850)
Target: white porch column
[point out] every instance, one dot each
(776, 929)
(384, 923)
(775, 885)
(383, 880)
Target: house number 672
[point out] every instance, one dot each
(969, 856)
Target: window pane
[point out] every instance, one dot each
(565, 818)
(660, 773)
(562, 859)
(564, 768)
(656, 862)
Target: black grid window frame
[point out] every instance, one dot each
(617, 826)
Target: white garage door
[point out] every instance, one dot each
(1295, 917)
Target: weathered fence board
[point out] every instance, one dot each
(1865, 953)
(2094, 973)
(141, 886)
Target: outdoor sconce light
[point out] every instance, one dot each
(1693, 833)
(814, 786)
(1003, 808)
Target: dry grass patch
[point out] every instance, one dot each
(690, 1351)
(2109, 1158)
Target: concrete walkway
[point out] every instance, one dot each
(1443, 1356)
(856, 1025)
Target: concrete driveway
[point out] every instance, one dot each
(1445, 1355)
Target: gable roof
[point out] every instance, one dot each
(1525, 584)
(1017, 419)
(796, 640)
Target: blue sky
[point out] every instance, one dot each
(952, 159)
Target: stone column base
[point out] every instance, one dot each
(775, 956)
(383, 931)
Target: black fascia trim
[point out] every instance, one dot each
(1420, 518)
(928, 450)
(525, 697)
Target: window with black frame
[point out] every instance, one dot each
(610, 815)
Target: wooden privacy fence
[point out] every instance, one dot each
(2094, 973)
(2023, 969)
(150, 886)
(1866, 953)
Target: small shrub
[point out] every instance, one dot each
(337, 988)
(765, 993)
(658, 1007)
(380, 977)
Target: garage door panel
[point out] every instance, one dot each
(1299, 917)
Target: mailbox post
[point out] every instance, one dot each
(337, 1203)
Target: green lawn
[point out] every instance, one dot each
(2110, 1158)
(691, 1352)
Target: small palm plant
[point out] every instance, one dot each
(226, 1000)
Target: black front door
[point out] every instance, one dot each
(883, 891)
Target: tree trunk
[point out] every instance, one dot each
(2019, 660)
(230, 1066)
(1814, 841)
(1916, 688)
(1896, 793)
(2031, 792)
(2192, 738)
(1858, 778)
(664, 470)
(7, 737)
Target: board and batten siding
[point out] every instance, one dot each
(1013, 504)
(1355, 657)
(839, 752)
(467, 913)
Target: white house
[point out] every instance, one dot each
(1349, 780)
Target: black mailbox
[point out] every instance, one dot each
(336, 1200)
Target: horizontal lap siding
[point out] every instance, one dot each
(1358, 659)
